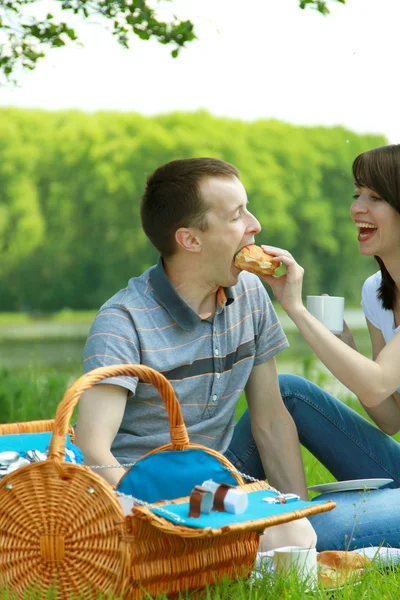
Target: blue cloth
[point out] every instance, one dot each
(172, 474)
(257, 509)
(350, 447)
(22, 442)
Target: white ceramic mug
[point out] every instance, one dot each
(126, 502)
(298, 559)
(329, 310)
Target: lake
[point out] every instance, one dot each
(48, 345)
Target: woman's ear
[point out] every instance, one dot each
(187, 239)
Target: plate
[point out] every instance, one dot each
(351, 485)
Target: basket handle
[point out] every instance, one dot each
(178, 432)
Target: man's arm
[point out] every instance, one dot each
(387, 414)
(100, 414)
(274, 431)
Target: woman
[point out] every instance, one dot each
(348, 445)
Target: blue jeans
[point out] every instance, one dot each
(350, 448)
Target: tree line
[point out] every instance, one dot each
(71, 183)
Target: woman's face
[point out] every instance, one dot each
(378, 224)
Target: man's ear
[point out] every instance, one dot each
(187, 239)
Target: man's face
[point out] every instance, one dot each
(230, 227)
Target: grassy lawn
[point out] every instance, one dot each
(62, 316)
(31, 393)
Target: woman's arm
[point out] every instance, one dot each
(373, 381)
(387, 414)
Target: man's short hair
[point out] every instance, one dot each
(172, 199)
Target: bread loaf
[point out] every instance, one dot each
(336, 567)
(255, 260)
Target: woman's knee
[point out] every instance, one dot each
(294, 533)
(295, 385)
(360, 519)
(296, 390)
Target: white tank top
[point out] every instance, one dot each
(380, 318)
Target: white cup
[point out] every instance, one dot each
(300, 560)
(126, 502)
(329, 310)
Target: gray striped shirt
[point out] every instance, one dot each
(208, 360)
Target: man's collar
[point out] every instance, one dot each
(176, 306)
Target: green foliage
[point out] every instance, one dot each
(319, 5)
(70, 188)
(21, 221)
(28, 37)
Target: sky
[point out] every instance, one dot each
(253, 59)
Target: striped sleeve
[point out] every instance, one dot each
(271, 338)
(112, 340)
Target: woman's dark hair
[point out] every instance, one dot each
(172, 200)
(379, 170)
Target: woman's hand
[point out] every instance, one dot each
(287, 287)
(347, 337)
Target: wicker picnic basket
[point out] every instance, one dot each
(32, 427)
(63, 531)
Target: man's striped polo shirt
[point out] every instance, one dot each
(208, 360)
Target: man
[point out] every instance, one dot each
(209, 328)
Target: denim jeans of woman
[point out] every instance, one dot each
(350, 448)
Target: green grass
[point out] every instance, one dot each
(63, 316)
(14, 318)
(32, 393)
(377, 584)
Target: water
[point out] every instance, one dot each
(62, 354)
(51, 345)
(354, 317)
(43, 344)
